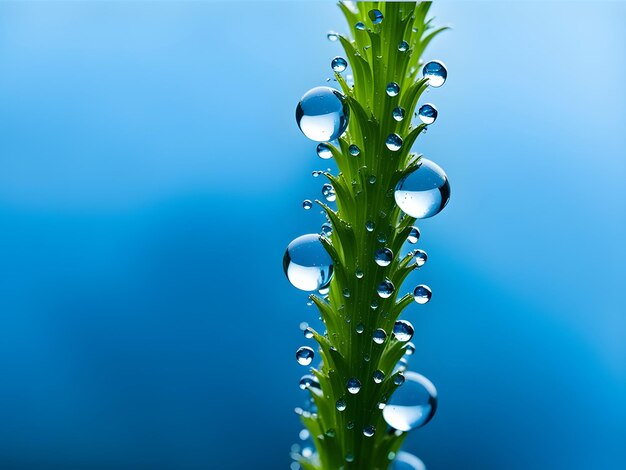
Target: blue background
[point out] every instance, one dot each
(151, 175)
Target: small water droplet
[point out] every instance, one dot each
(330, 433)
(405, 461)
(393, 142)
(322, 114)
(420, 258)
(307, 204)
(340, 405)
(353, 385)
(369, 430)
(427, 113)
(360, 26)
(398, 379)
(309, 381)
(422, 294)
(414, 235)
(346, 292)
(412, 405)
(332, 36)
(383, 257)
(372, 179)
(316, 173)
(324, 151)
(370, 226)
(324, 290)
(358, 273)
(326, 229)
(385, 289)
(374, 305)
(366, 357)
(379, 336)
(436, 73)
(350, 457)
(393, 89)
(403, 46)
(329, 192)
(307, 264)
(308, 333)
(339, 64)
(376, 16)
(354, 150)
(398, 113)
(304, 434)
(378, 376)
(304, 355)
(403, 331)
(423, 192)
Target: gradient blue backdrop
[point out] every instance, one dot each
(151, 174)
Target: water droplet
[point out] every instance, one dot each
(398, 379)
(329, 192)
(381, 237)
(385, 289)
(322, 114)
(393, 89)
(403, 331)
(379, 376)
(339, 64)
(409, 349)
(308, 333)
(370, 226)
(324, 290)
(393, 142)
(324, 151)
(359, 274)
(369, 430)
(316, 173)
(413, 404)
(374, 305)
(353, 385)
(350, 425)
(304, 434)
(326, 229)
(330, 433)
(420, 258)
(346, 292)
(307, 204)
(422, 294)
(427, 113)
(350, 457)
(405, 461)
(340, 405)
(332, 36)
(383, 257)
(360, 26)
(379, 336)
(403, 46)
(309, 381)
(414, 235)
(436, 73)
(372, 179)
(360, 328)
(376, 16)
(366, 357)
(307, 264)
(304, 355)
(398, 113)
(354, 150)
(423, 192)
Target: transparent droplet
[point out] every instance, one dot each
(403, 46)
(393, 142)
(379, 336)
(360, 26)
(436, 73)
(383, 257)
(359, 274)
(308, 333)
(324, 152)
(370, 226)
(403, 331)
(330, 433)
(307, 204)
(322, 114)
(376, 16)
(349, 458)
(369, 430)
(354, 150)
(414, 235)
(309, 381)
(353, 385)
(423, 192)
(346, 292)
(329, 192)
(372, 179)
(350, 425)
(393, 89)
(413, 404)
(324, 290)
(340, 405)
(360, 328)
(316, 173)
(304, 434)
(378, 376)
(307, 264)
(427, 113)
(374, 305)
(381, 237)
(339, 64)
(332, 36)
(422, 294)
(304, 355)
(385, 289)
(326, 229)
(420, 258)
(398, 113)
(409, 349)
(398, 379)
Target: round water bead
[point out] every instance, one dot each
(379, 336)
(326, 229)
(339, 64)
(307, 264)
(423, 192)
(360, 26)
(413, 404)
(308, 333)
(370, 226)
(369, 430)
(398, 379)
(420, 258)
(324, 152)
(332, 36)
(385, 289)
(309, 381)
(329, 192)
(422, 294)
(354, 150)
(393, 89)
(393, 142)
(378, 376)
(376, 16)
(340, 405)
(403, 46)
(414, 235)
(403, 331)
(307, 204)
(353, 385)
(359, 273)
(436, 73)
(304, 355)
(322, 114)
(405, 461)
(409, 349)
(427, 113)
(383, 257)
(398, 113)
(360, 328)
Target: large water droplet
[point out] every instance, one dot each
(427, 113)
(423, 192)
(307, 264)
(393, 89)
(339, 64)
(329, 192)
(304, 355)
(398, 113)
(403, 46)
(414, 235)
(413, 404)
(385, 289)
(379, 336)
(436, 73)
(369, 430)
(323, 151)
(422, 294)
(398, 379)
(354, 150)
(322, 114)
(383, 257)
(353, 385)
(403, 331)
(409, 349)
(420, 258)
(393, 142)
(376, 16)
(378, 376)
(405, 461)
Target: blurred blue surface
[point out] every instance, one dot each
(151, 175)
